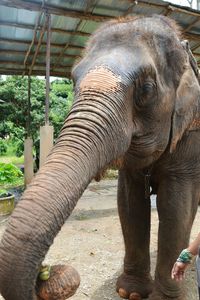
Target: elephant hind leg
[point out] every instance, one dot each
(177, 204)
(158, 295)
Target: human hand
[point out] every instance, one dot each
(178, 271)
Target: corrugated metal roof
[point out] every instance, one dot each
(71, 23)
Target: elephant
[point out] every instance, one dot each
(136, 106)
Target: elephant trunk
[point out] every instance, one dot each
(90, 139)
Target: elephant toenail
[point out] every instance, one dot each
(135, 296)
(122, 293)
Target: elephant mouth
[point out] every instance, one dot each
(141, 158)
(116, 164)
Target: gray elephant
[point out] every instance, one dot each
(137, 101)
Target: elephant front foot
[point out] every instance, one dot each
(134, 288)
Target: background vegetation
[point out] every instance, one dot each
(14, 119)
(14, 110)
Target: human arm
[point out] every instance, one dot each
(184, 259)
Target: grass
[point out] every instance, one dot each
(12, 159)
(10, 156)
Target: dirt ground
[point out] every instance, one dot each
(91, 241)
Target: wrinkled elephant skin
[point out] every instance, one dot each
(137, 103)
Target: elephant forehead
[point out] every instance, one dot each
(100, 78)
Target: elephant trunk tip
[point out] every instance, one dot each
(62, 283)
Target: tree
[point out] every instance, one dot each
(14, 110)
(61, 101)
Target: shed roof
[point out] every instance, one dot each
(23, 30)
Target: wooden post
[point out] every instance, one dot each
(28, 143)
(46, 132)
(46, 142)
(28, 160)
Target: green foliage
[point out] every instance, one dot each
(4, 193)
(12, 159)
(61, 102)
(14, 110)
(3, 147)
(9, 173)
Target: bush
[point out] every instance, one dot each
(4, 193)
(9, 173)
(3, 147)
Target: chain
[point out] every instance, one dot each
(147, 177)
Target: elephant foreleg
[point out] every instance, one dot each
(177, 202)
(134, 213)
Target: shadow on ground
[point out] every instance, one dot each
(81, 215)
(107, 291)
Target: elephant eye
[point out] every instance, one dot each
(146, 94)
(147, 89)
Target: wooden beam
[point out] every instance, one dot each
(27, 42)
(195, 47)
(70, 32)
(54, 10)
(192, 36)
(191, 25)
(12, 71)
(32, 42)
(20, 65)
(34, 38)
(168, 10)
(41, 53)
(17, 25)
(31, 27)
(196, 54)
(129, 10)
(42, 32)
(184, 11)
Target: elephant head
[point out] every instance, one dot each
(133, 102)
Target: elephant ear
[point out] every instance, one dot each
(192, 60)
(187, 104)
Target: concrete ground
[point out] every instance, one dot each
(91, 241)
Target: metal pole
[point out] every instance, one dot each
(28, 143)
(48, 68)
(29, 107)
